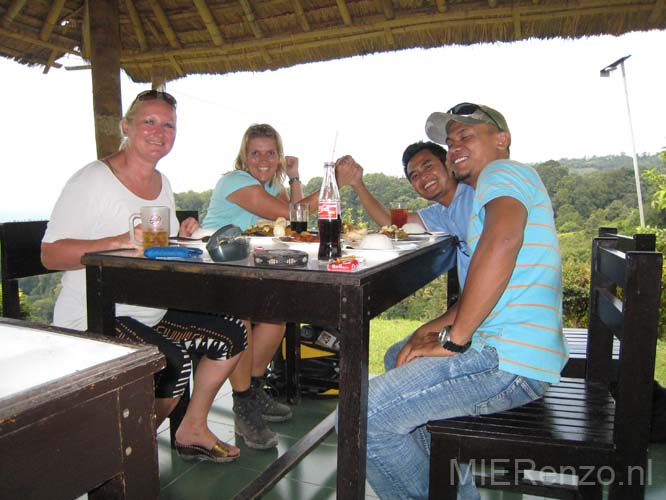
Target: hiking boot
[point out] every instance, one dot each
(250, 426)
(271, 410)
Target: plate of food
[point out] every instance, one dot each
(394, 232)
(378, 242)
(304, 241)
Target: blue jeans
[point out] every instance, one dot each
(404, 399)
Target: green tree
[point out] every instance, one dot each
(191, 200)
(552, 173)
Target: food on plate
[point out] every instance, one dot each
(279, 227)
(413, 228)
(267, 228)
(376, 242)
(350, 232)
(304, 237)
(394, 232)
(259, 230)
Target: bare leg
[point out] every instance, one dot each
(208, 379)
(240, 378)
(163, 408)
(267, 338)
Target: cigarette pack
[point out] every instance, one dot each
(345, 264)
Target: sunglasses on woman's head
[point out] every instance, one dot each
(150, 95)
(468, 109)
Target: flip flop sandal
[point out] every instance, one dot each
(219, 453)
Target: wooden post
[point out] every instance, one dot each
(105, 60)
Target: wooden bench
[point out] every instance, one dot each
(579, 427)
(577, 338)
(20, 244)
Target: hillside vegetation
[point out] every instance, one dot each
(586, 193)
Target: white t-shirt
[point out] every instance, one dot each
(94, 204)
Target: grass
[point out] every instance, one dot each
(384, 333)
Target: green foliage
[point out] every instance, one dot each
(191, 200)
(576, 292)
(383, 334)
(586, 193)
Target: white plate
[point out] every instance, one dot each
(184, 243)
(260, 241)
(305, 246)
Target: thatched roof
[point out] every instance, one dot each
(180, 37)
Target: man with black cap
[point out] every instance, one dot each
(502, 345)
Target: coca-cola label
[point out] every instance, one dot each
(328, 210)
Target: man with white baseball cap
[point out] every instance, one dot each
(501, 345)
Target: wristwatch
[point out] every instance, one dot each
(294, 179)
(445, 340)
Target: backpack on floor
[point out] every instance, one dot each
(319, 365)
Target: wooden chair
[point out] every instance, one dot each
(579, 427)
(20, 244)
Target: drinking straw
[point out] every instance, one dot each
(335, 141)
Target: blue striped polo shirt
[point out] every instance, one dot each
(525, 326)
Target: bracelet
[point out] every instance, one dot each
(294, 179)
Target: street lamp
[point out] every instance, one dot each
(605, 73)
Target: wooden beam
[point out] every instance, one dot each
(387, 7)
(209, 21)
(51, 19)
(25, 37)
(12, 11)
(105, 58)
(136, 24)
(344, 12)
(300, 14)
(164, 24)
(85, 33)
(251, 18)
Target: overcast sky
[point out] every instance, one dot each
(550, 92)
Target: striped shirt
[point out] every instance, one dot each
(525, 326)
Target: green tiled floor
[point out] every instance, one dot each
(312, 479)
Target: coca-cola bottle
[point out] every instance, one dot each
(328, 215)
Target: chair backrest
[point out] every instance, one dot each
(181, 215)
(624, 303)
(20, 243)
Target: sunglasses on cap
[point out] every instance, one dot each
(150, 95)
(468, 109)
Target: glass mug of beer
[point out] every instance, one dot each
(154, 224)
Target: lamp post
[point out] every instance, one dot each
(605, 72)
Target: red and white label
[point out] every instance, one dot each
(328, 210)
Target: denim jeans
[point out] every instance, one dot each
(404, 399)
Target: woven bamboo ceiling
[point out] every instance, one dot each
(180, 37)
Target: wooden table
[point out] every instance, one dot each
(76, 416)
(346, 301)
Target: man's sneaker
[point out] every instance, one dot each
(271, 410)
(250, 426)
